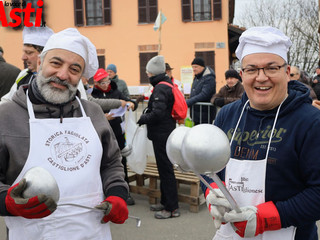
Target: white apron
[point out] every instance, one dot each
(245, 179)
(71, 151)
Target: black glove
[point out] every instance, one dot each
(141, 121)
(219, 102)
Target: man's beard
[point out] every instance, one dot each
(52, 94)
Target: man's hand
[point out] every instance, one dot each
(253, 221)
(115, 208)
(109, 116)
(39, 206)
(141, 121)
(130, 105)
(123, 103)
(316, 103)
(217, 204)
(219, 102)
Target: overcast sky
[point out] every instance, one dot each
(239, 7)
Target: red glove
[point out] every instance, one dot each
(218, 204)
(253, 221)
(118, 212)
(38, 206)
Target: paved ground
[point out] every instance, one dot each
(188, 226)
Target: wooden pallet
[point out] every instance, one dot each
(194, 198)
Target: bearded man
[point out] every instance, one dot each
(47, 125)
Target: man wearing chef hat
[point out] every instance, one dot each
(34, 40)
(273, 171)
(69, 137)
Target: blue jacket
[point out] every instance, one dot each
(293, 167)
(202, 90)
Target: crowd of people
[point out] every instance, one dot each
(268, 109)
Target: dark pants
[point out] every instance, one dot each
(124, 163)
(116, 127)
(168, 184)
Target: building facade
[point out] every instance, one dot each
(122, 31)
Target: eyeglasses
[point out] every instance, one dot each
(269, 71)
(292, 74)
(104, 83)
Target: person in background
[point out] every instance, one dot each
(230, 92)
(173, 80)
(8, 74)
(68, 136)
(296, 74)
(104, 88)
(122, 85)
(273, 171)
(202, 89)
(316, 82)
(157, 117)
(34, 39)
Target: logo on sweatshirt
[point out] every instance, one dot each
(257, 137)
(19, 9)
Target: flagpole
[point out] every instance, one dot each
(159, 45)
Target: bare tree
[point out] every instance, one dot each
(298, 19)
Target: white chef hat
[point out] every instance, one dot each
(71, 39)
(263, 40)
(36, 35)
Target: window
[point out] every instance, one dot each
(102, 62)
(148, 11)
(22, 4)
(92, 12)
(217, 11)
(144, 58)
(208, 57)
(201, 10)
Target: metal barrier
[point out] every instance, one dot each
(144, 104)
(202, 105)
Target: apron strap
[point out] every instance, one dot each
(235, 129)
(273, 127)
(81, 107)
(30, 107)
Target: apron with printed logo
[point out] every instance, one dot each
(71, 151)
(245, 179)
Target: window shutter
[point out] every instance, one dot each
(144, 59)
(153, 10)
(142, 9)
(107, 11)
(217, 10)
(208, 57)
(186, 10)
(78, 13)
(102, 62)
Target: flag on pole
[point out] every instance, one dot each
(161, 18)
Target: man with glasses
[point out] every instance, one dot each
(316, 82)
(273, 171)
(298, 75)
